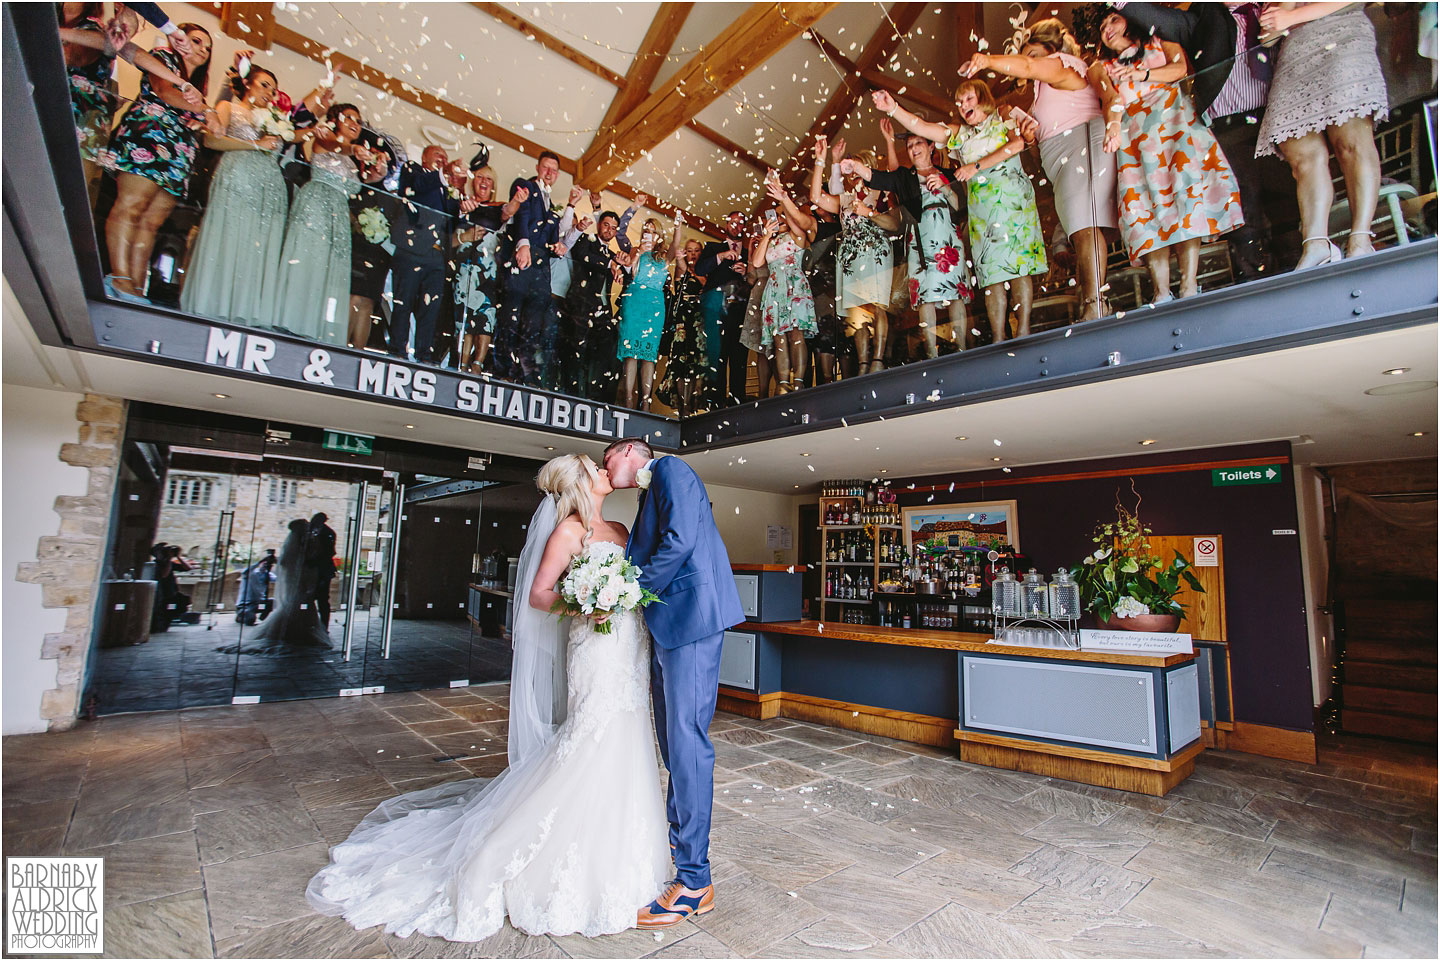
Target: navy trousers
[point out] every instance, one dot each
(417, 286)
(525, 325)
(683, 684)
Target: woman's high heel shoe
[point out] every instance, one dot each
(1333, 256)
(1371, 243)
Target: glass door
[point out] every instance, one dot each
(309, 519)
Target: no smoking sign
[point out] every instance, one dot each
(1207, 552)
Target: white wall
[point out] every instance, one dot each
(741, 516)
(35, 424)
(1314, 564)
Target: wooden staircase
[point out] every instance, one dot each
(1388, 680)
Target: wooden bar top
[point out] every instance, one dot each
(503, 592)
(954, 641)
(782, 568)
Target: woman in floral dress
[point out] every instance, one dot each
(1005, 240)
(152, 151)
(235, 268)
(864, 262)
(1175, 185)
(787, 308)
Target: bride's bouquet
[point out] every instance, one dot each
(271, 122)
(374, 225)
(603, 581)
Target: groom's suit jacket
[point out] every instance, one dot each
(682, 558)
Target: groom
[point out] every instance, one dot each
(683, 560)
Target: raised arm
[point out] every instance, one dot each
(818, 196)
(676, 247)
(622, 235)
(892, 156)
(934, 132)
(1047, 70)
(802, 224)
(1275, 19)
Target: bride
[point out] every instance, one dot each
(572, 836)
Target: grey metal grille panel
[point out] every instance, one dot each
(1182, 700)
(1088, 705)
(737, 660)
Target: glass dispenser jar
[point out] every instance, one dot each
(1064, 595)
(1005, 594)
(1034, 599)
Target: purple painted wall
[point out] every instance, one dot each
(1264, 589)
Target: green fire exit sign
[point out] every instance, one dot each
(1235, 476)
(349, 443)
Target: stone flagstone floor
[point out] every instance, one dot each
(825, 843)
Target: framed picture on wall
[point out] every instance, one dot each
(988, 524)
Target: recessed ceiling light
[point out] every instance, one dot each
(995, 459)
(1147, 443)
(883, 471)
(1404, 387)
(1417, 433)
(221, 396)
(1396, 371)
(804, 455)
(409, 426)
(962, 437)
(549, 448)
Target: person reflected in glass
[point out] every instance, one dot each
(234, 272)
(152, 152)
(1326, 94)
(294, 622)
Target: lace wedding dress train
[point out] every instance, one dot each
(573, 840)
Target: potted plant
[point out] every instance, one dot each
(1125, 584)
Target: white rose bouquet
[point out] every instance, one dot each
(374, 225)
(603, 582)
(270, 122)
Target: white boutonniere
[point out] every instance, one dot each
(642, 479)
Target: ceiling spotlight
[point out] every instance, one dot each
(221, 396)
(1147, 443)
(409, 426)
(996, 459)
(961, 437)
(1396, 371)
(549, 448)
(883, 471)
(1419, 433)
(804, 455)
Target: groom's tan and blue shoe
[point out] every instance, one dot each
(676, 904)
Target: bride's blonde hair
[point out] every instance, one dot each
(567, 478)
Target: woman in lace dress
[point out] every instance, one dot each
(572, 837)
(1326, 95)
(235, 267)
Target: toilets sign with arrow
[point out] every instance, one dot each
(1237, 476)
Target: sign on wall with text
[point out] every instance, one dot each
(269, 356)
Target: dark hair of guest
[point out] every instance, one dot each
(200, 76)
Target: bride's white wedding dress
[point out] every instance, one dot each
(573, 839)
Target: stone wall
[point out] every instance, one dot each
(67, 564)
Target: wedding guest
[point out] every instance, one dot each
(1005, 240)
(1327, 93)
(422, 244)
(820, 273)
(1230, 86)
(722, 264)
(152, 152)
(590, 369)
(1175, 187)
(936, 256)
(90, 66)
(234, 271)
(1065, 119)
(787, 307)
(642, 313)
(865, 263)
(686, 365)
(761, 353)
(556, 342)
(525, 320)
(477, 272)
(374, 212)
(313, 297)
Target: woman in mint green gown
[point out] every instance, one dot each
(234, 269)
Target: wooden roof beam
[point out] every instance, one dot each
(635, 86)
(550, 42)
(729, 146)
(743, 46)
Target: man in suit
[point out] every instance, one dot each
(682, 559)
(722, 307)
(527, 322)
(1231, 86)
(422, 242)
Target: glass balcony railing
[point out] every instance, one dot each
(1073, 183)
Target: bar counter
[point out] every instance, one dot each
(1121, 720)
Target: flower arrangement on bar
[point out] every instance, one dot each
(1125, 584)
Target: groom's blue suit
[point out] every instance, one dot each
(683, 560)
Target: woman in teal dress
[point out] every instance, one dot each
(235, 267)
(1005, 240)
(642, 314)
(313, 297)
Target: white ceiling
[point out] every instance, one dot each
(1313, 396)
